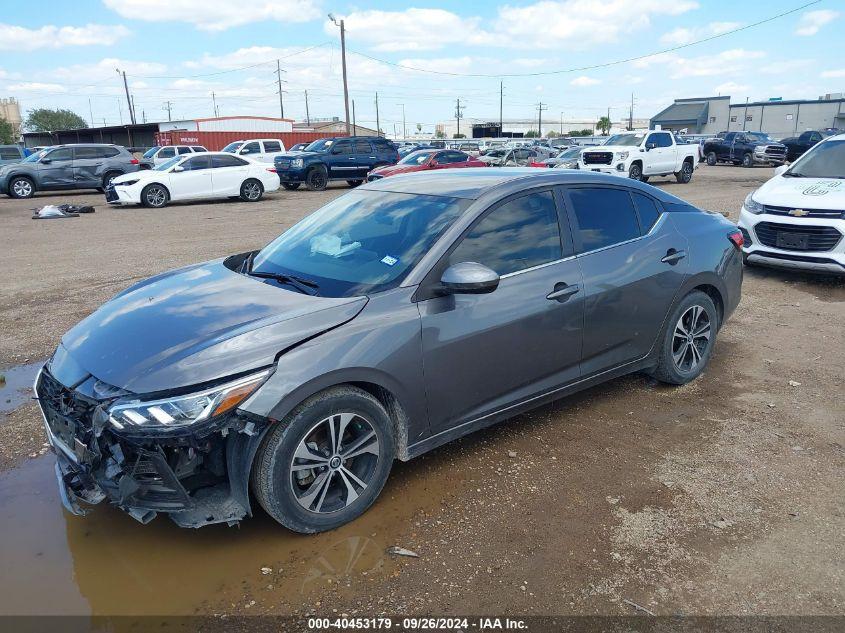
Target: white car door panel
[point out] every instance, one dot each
(194, 181)
(228, 174)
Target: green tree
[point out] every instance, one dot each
(439, 134)
(552, 134)
(459, 136)
(419, 127)
(604, 125)
(47, 120)
(532, 134)
(7, 132)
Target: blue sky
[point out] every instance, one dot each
(64, 53)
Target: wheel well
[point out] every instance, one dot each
(637, 162)
(688, 159)
(394, 409)
(319, 166)
(716, 296)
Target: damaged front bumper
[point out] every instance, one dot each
(197, 477)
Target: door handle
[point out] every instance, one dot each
(563, 291)
(673, 256)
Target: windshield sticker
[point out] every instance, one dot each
(822, 188)
(332, 245)
(390, 261)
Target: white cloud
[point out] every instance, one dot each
(833, 74)
(446, 64)
(812, 21)
(681, 36)
(726, 63)
(785, 66)
(34, 86)
(731, 88)
(410, 30)
(19, 38)
(584, 81)
(579, 23)
(105, 69)
(216, 15)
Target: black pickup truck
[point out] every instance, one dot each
(744, 148)
(797, 145)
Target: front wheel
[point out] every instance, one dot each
(252, 190)
(21, 187)
(635, 172)
(747, 160)
(155, 196)
(685, 175)
(327, 462)
(688, 340)
(317, 179)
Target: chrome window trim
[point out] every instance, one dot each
(537, 267)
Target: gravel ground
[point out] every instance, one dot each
(720, 497)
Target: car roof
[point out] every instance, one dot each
(471, 184)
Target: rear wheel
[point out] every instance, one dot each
(711, 158)
(354, 183)
(747, 160)
(155, 196)
(252, 190)
(291, 186)
(21, 187)
(327, 462)
(688, 340)
(317, 179)
(635, 172)
(685, 175)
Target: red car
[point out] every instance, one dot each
(424, 159)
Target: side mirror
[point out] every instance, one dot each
(46, 161)
(650, 146)
(469, 278)
(780, 170)
(178, 168)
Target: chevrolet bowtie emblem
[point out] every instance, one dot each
(799, 213)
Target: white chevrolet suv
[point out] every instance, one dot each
(797, 219)
(640, 155)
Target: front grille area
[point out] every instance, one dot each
(778, 151)
(282, 163)
(797, 238)
(597, 158)
(831, 214)
(111, 194)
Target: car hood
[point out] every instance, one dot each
(300, 154)
(392, 170)
(198, 324)
(810, 193)
(143, 174)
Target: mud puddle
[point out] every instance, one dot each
(16, 385)
(107, 564)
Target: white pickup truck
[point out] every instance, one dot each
(640, 155)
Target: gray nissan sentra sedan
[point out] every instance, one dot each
(400, 316)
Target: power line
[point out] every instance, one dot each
(594, 66)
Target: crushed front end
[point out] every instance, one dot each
(198, 474)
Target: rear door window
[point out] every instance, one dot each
(251, 148)
(342, 147)
(197, 162)
(184, 150)
(167, 152)
(604, 217)
(272, 146)
(362, 146)
(227, 160)
(647, 211)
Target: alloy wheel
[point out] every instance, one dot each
(22, 188)
(636, 172)
(334, 463)
(252, 190)
(156, 197)
(691, 339)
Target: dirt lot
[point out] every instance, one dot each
(721, 497)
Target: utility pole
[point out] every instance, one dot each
(540, 107)
(631, 114)
(343, 61)
(501, 99)
(128, 99)
(91, 111)
(404, 130)
(133, 108)
(378, 125)
(167, 105)
(279, 72)
(354, 125)
(458, 116)
(144, 116)
(214, 103)
(608, 120)
(120, 110)
(561, 123)
(307, 114)
(745, 115)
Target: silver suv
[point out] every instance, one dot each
(82, 166)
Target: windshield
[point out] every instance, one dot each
(34, 158)
(322, 145)
(759, 136)
(625, 139)
(362, 242)
(149, 153)
(416, 158)
(232, 147)
(825, 160)
(570, 153)
(168, 164)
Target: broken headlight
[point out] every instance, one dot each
(185, 409)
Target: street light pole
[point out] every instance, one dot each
(343, 61)
(404, 130)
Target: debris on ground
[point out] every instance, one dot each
(51, 211)
(266, 570)
(637, 606)
(401, 551)
(512, 454)
(793, 383)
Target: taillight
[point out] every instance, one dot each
(736, 238)
(271, 169)
(135, 161)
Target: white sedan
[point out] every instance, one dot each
(195, 177)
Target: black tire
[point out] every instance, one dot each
(354, 183)
(685, 175)
(644, 178)
(251, 190)
(635, 171)
(291, 186)
(21, 187)
(711, 158)
(747, 160)
(277, 487)
(109, 176)
(668, 369)
(317, 179)
(155, 196)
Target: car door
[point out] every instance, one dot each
(364, 157)
(633, 261)
(55, 170)
(449, 159)
(194, 180)
(86, 163)
(658, 145)
(271, 150)
(251, 150)
(228, 174)
(341, 161)
(482, 353)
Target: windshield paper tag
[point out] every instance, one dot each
(390, 261)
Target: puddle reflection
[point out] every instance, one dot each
(16, 385)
